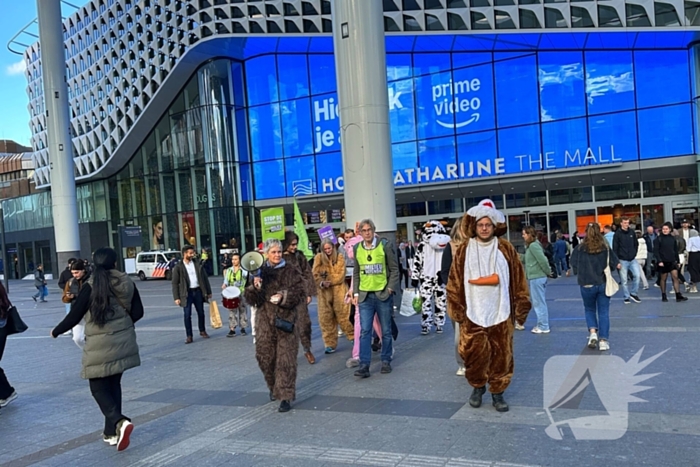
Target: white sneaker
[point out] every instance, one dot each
(592, 340)
(461, 371)
(10, 398)
(603, 345)
(539, 330)
(519, 327)
(111, 440)
(340, 332)
(124, 429)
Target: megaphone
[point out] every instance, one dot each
(252, 261)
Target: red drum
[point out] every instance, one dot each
(230, 297)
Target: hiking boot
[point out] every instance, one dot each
(592, 340)
(664, 298)
(231, 333)
(499, 402)
(475, 398)
(680, 298)
(386, 368)
(363, 371)
(285, 406)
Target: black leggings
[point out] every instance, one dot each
(6, 389)
(108, 395)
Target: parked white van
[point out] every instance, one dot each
(156, 264)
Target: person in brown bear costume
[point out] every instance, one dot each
(279, 301)
(293, 256)
(487, 294)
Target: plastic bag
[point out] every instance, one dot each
(409, 297)
(214, 315)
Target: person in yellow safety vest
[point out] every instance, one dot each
(375, 278)
(235, 276)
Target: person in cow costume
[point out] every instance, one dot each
(426, 270)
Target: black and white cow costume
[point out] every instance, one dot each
(426, 269)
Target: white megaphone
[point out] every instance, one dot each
(252, 261)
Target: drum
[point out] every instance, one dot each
(231, 297)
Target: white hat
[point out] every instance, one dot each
(487, 208)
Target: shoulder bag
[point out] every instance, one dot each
(13, 323)
(611, 286)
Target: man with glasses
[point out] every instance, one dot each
(487, 294)
(375, 278)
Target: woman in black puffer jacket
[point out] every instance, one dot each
(666, 255)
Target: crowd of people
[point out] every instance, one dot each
(485, 287)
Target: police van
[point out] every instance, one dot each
(156, 264)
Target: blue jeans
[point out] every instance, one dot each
(41, 293)
(194, 297)
(368, 308)
(597, 307)
(560, 263)
(537, 289)
(632, 266)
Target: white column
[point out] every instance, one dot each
(695, 76)
(360, 63)
(60, 145)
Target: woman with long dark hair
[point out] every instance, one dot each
(110, 304)
(7, 392)
(667, 261)
(590, 259)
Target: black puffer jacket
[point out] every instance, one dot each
(666, 249)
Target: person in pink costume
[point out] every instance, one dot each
(355, 359)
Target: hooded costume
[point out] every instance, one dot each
(487, 293)
(332, 309)
(426, 269)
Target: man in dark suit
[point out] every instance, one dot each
(191, 287)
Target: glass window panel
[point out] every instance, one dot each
(497, 201)
(301, 176)
(411, 209)
(326, 134)
(662, 77)
(404, 156)
(294, 79)
(522, 200)
(322, 73)
(562, 93)
(329, 170)
(571, 195)
(564, 144)
(447, 206)
(186, 190)
(462, 60)
(269, 179)
(168, 182)
(434, 156)
(665, 131)
(613, 137)
(261, 80)
(477, 156)
(516, 90)
(675, 186)
(241, 136)
(245, 172)
(402, 111)
(432, 96)
(237, 73)
(617, 191)
(296, 127)
(430, 63)
(609, 81)
(398, 66)
(520, 148)
(471, 99)
(265, 132)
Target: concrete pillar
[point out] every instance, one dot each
(60, 145)
(363, 102)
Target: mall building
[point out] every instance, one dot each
(188, 118)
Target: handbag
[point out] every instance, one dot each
(214, 315)
(14, 324)
(407, 302)
(284, 325)
(611, 286)
(485, 280)
(66, 291)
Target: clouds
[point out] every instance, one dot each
(16, 68)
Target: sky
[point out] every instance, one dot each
(14, 115)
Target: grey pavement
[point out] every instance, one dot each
(205, 404)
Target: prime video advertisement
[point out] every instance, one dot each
(463, 116)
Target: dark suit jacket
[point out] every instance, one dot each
(181, 281)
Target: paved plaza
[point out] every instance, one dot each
(206, 404)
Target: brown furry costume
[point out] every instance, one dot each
(276, 350)
(487, 352)
(332, 309)
(305, 281)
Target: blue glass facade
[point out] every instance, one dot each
(458, 115)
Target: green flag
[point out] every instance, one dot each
(300, 230)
